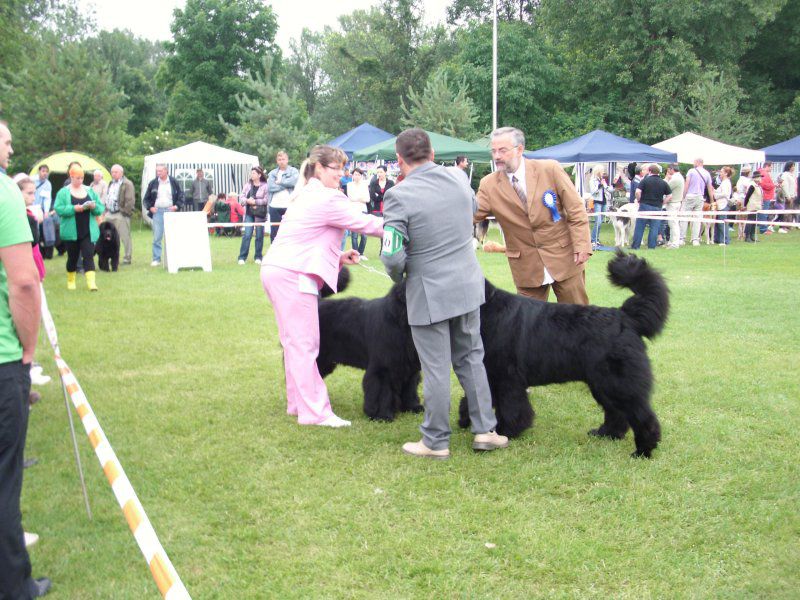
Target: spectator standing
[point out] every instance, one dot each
(377, 188)
(98, 185)
(753, 201)
(698, 183)
(20, 312)
(640, 174)
(345, 179)
(601, 193)
(44, 200)
(722, 196)
(280, 185)
(676, 183)
(120, 200)
(75, 205)
(164, 194)
(304, 256)
(789, 192)
(462, 162)
(428, 239)
(358, 192)
(742, 185)
(200, 190)
(28, 190)
(768, 192)
(544, 220)
(254, 198)
(652, 194)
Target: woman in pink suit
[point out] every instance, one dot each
(305, 254)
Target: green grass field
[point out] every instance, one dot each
(185, 376)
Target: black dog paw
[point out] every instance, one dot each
(599, 432)
(417, 408)
(642, 454)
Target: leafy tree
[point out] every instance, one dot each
(215, 43)
(463, 12)
(714, 110)
(133, 64)
(64, 100)
(269, 120)
(440, 109)
(372, 63)
(305, 77)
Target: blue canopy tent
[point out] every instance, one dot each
(784, 151)
(360, 137)
(599, 146)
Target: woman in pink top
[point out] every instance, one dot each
(305, 254)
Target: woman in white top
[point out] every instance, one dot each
(742, 185)
(789, 193)
(722, 196)
(358, 192)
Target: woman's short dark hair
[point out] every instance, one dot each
(381, 168)
(413, 145)
(260, 172)
(788, 166)
(358, 170)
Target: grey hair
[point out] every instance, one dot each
(162, 165)
(516, 135)
(121, 168)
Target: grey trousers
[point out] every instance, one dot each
(123, 225)
(456, 341)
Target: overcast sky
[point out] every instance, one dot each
(151, 18)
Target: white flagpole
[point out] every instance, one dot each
(494, 66)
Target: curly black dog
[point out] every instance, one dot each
(107, 247)
(526, 343)
(372, 335)
(531, 343)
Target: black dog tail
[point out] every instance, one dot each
(341, 284)
(649, 306)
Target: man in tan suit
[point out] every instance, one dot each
(544, 221)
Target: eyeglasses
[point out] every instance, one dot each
(501, 151)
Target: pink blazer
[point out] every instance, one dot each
(309, 239)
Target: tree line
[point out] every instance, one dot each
(645, 69)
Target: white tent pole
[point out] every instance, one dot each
(494, 67)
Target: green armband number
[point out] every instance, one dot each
(392, 241)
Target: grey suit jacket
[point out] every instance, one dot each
(432, 210)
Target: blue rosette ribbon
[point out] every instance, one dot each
(549, 200)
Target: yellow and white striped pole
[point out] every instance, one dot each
(167, 579)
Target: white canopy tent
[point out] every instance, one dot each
(689, 146)
(227, 169)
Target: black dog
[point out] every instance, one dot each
(530, 343)
(372, 335)
(107, 247)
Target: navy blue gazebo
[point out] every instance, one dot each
(360, 137)
(784, 151)
(601, 146)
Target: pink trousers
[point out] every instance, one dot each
(298, 328)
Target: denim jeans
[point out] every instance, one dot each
(158, 232)
(244, 249)
(765, 205)
(358, 244)
(641, 223)
(598, 221)
(721, 234)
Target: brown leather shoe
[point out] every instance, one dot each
(421, 450)
(489, 441)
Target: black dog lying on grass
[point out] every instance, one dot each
(526, 343)
(107, 247)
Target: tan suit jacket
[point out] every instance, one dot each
(533, 240)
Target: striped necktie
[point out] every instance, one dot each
(520, 192)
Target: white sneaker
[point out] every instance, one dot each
(770, 228)
(783, 231)
(155, 263)
(241, 262)
(39, 378)
(696, 243)
(334, 421)
(257, 261)
(30, 539)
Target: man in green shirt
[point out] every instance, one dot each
(20, 311)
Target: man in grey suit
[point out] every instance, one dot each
(428, 236)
